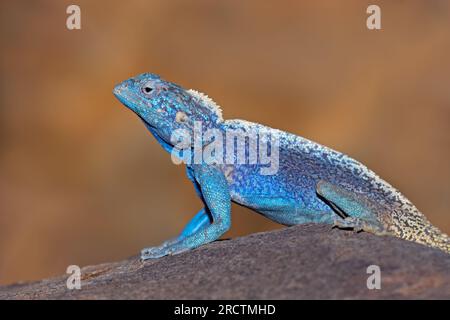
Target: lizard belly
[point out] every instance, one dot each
(277, 198)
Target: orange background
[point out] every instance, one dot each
(83, 182)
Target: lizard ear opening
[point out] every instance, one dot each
(208, 103)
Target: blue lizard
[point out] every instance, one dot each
(312, 183)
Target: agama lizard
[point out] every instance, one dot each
(313, 183)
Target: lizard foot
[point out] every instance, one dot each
(156, 252)
(169, 247)
(357, 225)
(152, 253)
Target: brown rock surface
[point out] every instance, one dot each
(301, 262)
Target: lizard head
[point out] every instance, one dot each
(165, 107)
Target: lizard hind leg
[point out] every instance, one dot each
(355, 211)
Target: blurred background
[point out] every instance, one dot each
(83, 182)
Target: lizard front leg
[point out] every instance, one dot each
(201, 230)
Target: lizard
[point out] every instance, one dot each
(312, 183)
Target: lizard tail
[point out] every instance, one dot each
(414, 226)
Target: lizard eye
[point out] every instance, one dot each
(147, 88)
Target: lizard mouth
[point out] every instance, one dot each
(130, 104)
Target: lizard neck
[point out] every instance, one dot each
(163, 143)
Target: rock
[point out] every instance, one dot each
(300, 262)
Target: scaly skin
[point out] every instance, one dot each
(312, 184)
